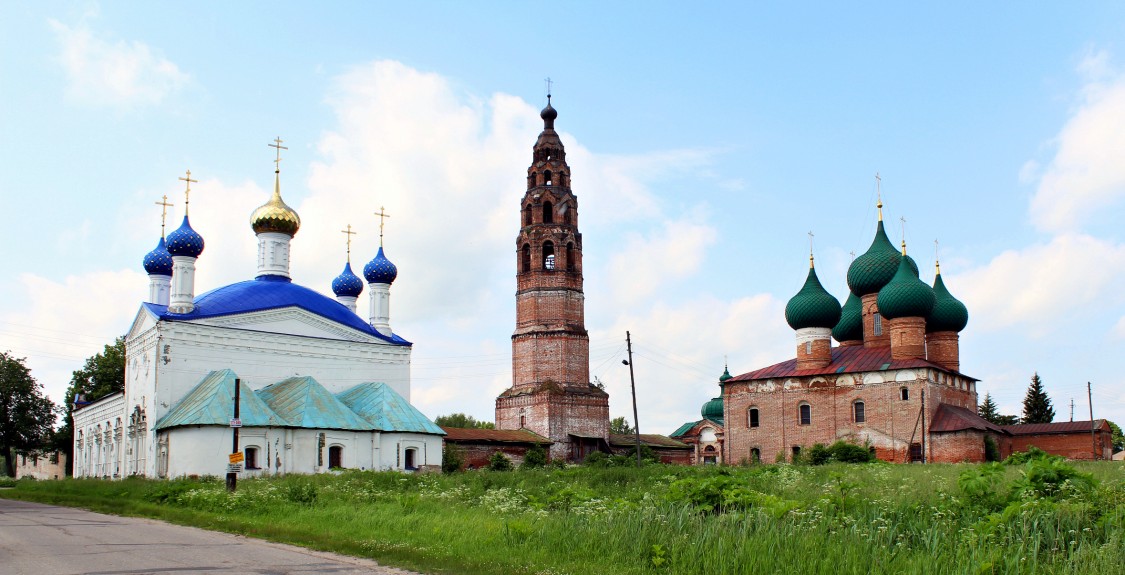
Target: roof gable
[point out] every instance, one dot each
(382, 407)
(303, 402)
(211, 402)
(950, 418)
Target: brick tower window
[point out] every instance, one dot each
(877, 324)
(548, 210)
(753, 417)
(566, 216)
(527, 215)
(547, 180)
(525, 264)
(859, 412)
(755, 455)
(571, 265)
(548, 255)
(804, 413)
(904, 393)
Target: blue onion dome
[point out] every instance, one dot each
(725, 376)
(380, 270)
(712, 409)
(158, 262)
(813, 306)
(872, 270)
(905, 295)
(347, 284)
(949, 314)
(850, 326)
(275, 215)
(185, 241)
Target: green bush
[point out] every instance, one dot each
(499, 462)
(1051, 476)
(301, 492)
(818, 454)
(1032, 453)
(845, 452)
(597, 459)
(452, 460)
(534, 458)
(991, 450)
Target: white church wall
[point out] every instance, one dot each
(99, 430)
(393, 448)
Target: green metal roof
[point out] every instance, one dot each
(949, 314)
(850, 326)
(386, 410)
(813, 306)
(905, 295)
(305, 403)
(211, 402)
(712, 409)
(683, 429)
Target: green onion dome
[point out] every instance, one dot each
(905, 295)
(875, 268)
(813, 306)
(949, 314)
(726, 375)
(850, 326)
(713, 409)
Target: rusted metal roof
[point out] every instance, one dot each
(949, 418)
(649, 439)
(1060, 427)
(468, 435)
(851, 359)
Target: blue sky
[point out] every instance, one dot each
(705, 142)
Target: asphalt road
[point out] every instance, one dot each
(38, 539)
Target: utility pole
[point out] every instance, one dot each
(633, 385)
(1093, 426)
(232, 478)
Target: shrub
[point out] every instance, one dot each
(1049, 476)
(452, 460)
(535, 457)
(818, 455)
(980, 484)
(301, 492)
(499, 462)
(845, 452)
(991, 450)
(597, 459)
(1032, 453)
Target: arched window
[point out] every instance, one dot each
(547, 177)
(548, 213)
(859, 412)
(335, 457)
(410, 464)
(571, 265)
(527, 215)
(753, 418)
(548, 256)
(251, 458)
(808, 347)
(530, 181)
(566, 216)
(904, 393)
(877, 328)
(525, 260)
(755, 455)
(804, 412)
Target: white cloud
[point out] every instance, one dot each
(1038, 286)
(650, 261)
(1119, 328)
(113, 73)
(1086, 176)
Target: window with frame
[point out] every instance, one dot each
(904, 393)
(755, 455)
(804, 413)
(877, 324)
(335, 457)
(251, 458)
(859, 412)
(753, 417)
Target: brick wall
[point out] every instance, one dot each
(555, 412)
(1078, 445)
(477, 454)
(869, 309)
(908, 337)
(943, 348)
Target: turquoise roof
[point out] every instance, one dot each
(305, 403)
(683, 429)
(386, 410)
(212, 403)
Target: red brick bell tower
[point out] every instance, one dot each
(551, 393)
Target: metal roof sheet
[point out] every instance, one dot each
(850, 359)
(649, 439)
(305, 403)
(1058, 427)
(385, 409)
(949, 418)
(271, 292)
(684, 429)
(211, 402)
(456, 434)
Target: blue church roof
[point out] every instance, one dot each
(211, 402)
(387, 410)
(305, 403)
(271, 292)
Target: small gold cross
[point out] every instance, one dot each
(164, 205)
(810, 248)
(382, 213)
(187, 191)
(277, 162)
(349, 235)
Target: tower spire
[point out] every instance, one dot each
(903, 219)
(879, 194)
(937, 260)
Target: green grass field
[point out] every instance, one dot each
(1040, 517)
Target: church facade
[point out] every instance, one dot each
(318, 386)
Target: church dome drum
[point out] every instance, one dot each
(347, 284)
(158, 262)
(813, 306)
(905, 295)
(380, 270)
(185, 241)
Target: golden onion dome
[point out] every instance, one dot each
(275, 215)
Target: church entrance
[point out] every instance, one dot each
(335, 457)
(409, 459)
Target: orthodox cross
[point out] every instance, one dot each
(382, 213)
(164, 205)
(852, 254)
(277, 162)
(549, 83)
(810, 248)
(937, 261)
(349, 235)
(187, 191)
(879, 194)
(903, 220)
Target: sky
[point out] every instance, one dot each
(706, 141)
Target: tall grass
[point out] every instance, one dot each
(775, 519)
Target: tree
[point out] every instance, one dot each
(1118, 438)
(1036, 405)
(988, 410)
(27, 416)
(103, 374)
(620, 426)
(462, 420)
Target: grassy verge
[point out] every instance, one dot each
(774, 519)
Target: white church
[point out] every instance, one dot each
(319, 387)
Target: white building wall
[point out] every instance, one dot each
(99, 430)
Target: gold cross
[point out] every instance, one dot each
(879, 194)
(164, 205)
(903, 219)
(810, 248)
(349, 235)
(277, 162)
(187, 192)
(382, 213)
(937, 261)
